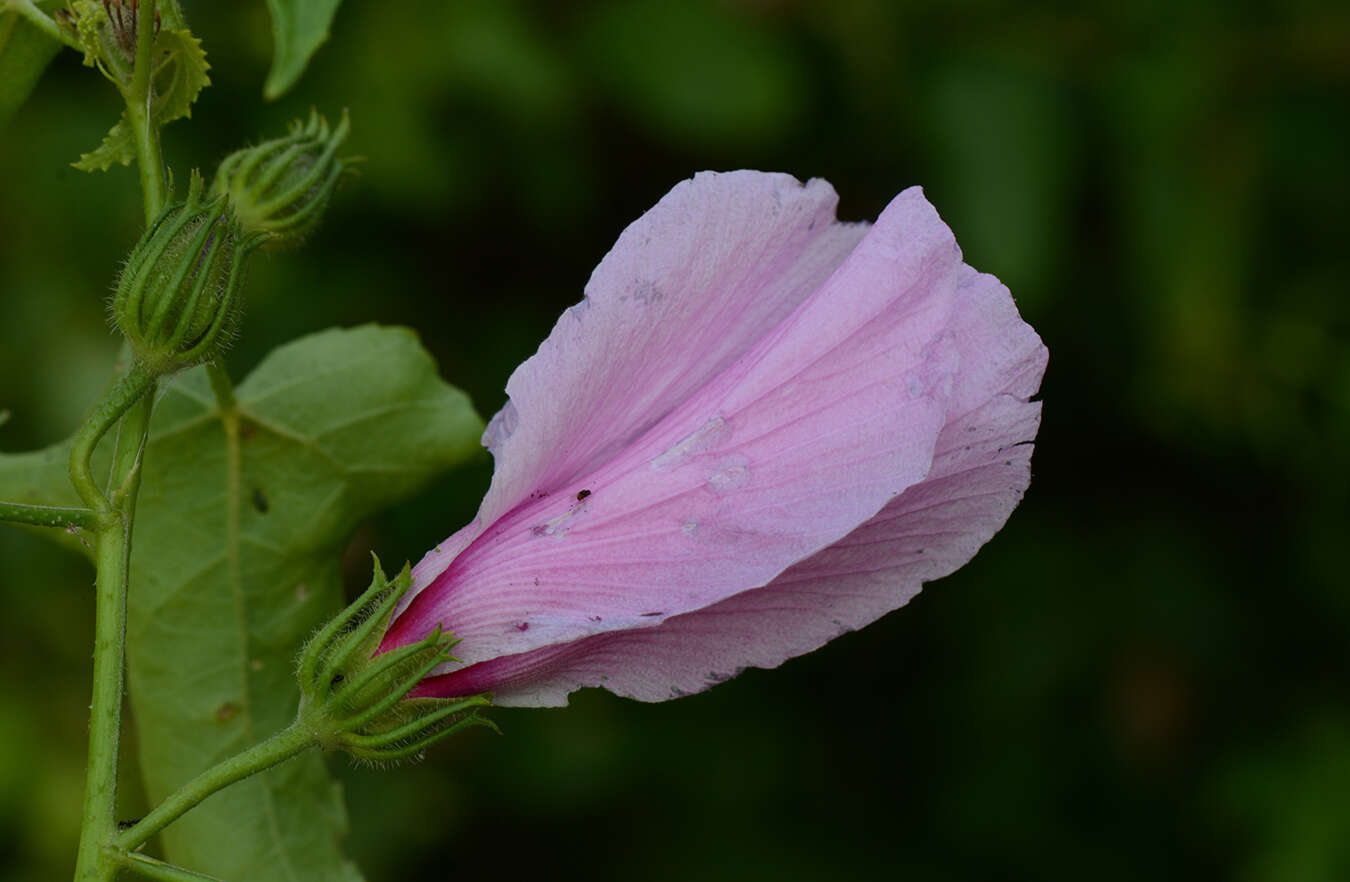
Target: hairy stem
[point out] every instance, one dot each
(130, 399)
(47, 515)
(289, 742)
(131, 437)
(129, 389)
(105, 721)
(145, 132)
(221, 386)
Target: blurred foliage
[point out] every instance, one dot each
(1145, 675)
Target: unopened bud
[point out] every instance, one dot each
(355, 700)
(178, 296)
(282, 187)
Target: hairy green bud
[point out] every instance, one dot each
(282, 187)
(178, 297)
(355, 700)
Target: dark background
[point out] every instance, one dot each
(1145, 675)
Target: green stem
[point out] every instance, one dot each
(145, 132)
(47, 515)
(127, 391)
(289, 742)
(130, 399)
(105, 721)
(132, 396)
(148, 159)
(43, 22)
(221, 385)
(131, 437)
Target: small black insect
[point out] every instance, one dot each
(260, 502)
(583, 494)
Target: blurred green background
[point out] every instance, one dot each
(1145, 675)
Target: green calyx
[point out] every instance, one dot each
(178, 297)
(355, 700)
(282, 187)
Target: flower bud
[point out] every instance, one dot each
(281, 187)
(356, 701)
(177, 299)
(106, 29)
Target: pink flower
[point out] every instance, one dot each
(761, 429)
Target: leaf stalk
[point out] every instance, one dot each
(48, 515)
(289, 742)
(40, 20)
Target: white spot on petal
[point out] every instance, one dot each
(701, 440)
(728, 478)
(554, 526)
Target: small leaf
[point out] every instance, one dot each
(24, 54)
(299, 27)
(180, 75)
(117, 148)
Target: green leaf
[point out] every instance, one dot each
(235, 561)
(24, 54)
(117, 148)
(299, 27)
(179, 77)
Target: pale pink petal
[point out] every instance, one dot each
(684, 292)
(980, 470)
(784, 452)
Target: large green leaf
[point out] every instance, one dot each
(24, 54)
(235, 561)
(299, 27)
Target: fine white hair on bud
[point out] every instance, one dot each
(179, 294)
(359, 702)
(282, 187)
